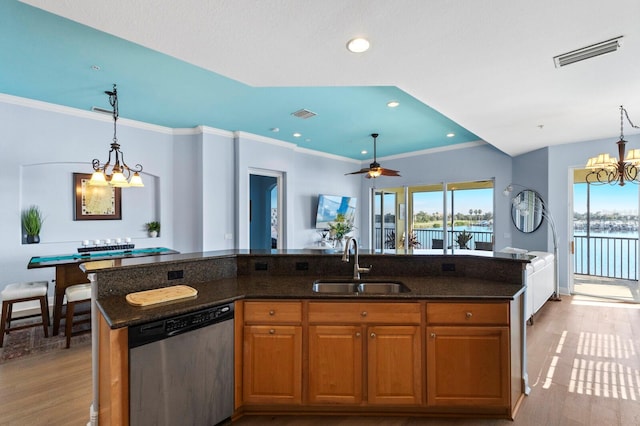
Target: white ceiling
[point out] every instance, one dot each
(487, 65)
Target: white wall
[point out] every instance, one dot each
(305, 176)
(41, 146)
(531, 171)
(218, 190)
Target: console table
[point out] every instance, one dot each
(68, 271)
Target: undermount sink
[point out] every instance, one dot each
(351, 286)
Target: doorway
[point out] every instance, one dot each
(385, 221)
(605, 240)
(265, 213)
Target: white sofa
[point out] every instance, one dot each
(540, 279)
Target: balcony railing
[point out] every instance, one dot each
(388, 237)
(611, 257)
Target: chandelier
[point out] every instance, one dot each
(118, 174)
(606, 169)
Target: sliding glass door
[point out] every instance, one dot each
(442, 217)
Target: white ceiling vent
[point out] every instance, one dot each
(587, 52)
(304, 114)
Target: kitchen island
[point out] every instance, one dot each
(452, 345)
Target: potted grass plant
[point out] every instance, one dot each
(32, 224)
(463, 239)
(153, 228)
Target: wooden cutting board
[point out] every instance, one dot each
(161, 295)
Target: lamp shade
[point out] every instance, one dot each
(136, 180)
(118, 180)
(98, 179)
(633, 157)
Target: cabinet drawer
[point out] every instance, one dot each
(272, 312)
(468, 313)
(357, 312)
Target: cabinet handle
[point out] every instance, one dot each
(373, 335)
(469, 315)
(272, 312)
(358, 334)
(433, 335)
(272, 331)
(364, 313)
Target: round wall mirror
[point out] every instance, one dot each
(526, 211)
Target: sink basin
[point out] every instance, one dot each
(382, 288)
(334, 287)
(352, 286)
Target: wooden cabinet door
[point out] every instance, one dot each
(272, 369)
(468, 366)
(394, 365)
(335, 364)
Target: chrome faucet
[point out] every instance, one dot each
(356, 266)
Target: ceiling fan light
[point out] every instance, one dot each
(375, 172)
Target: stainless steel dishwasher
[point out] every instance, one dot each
(181, 369)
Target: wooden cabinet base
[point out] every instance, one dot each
(368, 410)
(425, 359)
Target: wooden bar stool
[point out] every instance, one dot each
(24, 292)
(76, 294)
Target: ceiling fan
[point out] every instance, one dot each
(374, 170)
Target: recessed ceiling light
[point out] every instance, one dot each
(393, 104)
(275, 129)
(297, 135)
(364, 151)
(450, 135)
(358, 45)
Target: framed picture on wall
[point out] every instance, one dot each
(95, 202)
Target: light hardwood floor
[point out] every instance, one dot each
(584, 369)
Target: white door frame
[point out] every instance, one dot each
(281, 212)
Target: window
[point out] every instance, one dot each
(436, 216)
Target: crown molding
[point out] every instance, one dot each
(80, 113)
(91, 115)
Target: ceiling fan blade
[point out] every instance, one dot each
(389, 172)
(374, 170)
(358, 172)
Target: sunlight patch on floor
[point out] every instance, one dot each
(594, 301)
(597, 367)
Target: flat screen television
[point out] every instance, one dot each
(330, 206)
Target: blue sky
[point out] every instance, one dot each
(431, 202)
(604, 198)
(607, 198)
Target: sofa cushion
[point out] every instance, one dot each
(546, 256)
(536, 265)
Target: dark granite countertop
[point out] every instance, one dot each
(119, 313)
(133, 262)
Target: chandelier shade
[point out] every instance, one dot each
(615, 171)
(118, 173)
